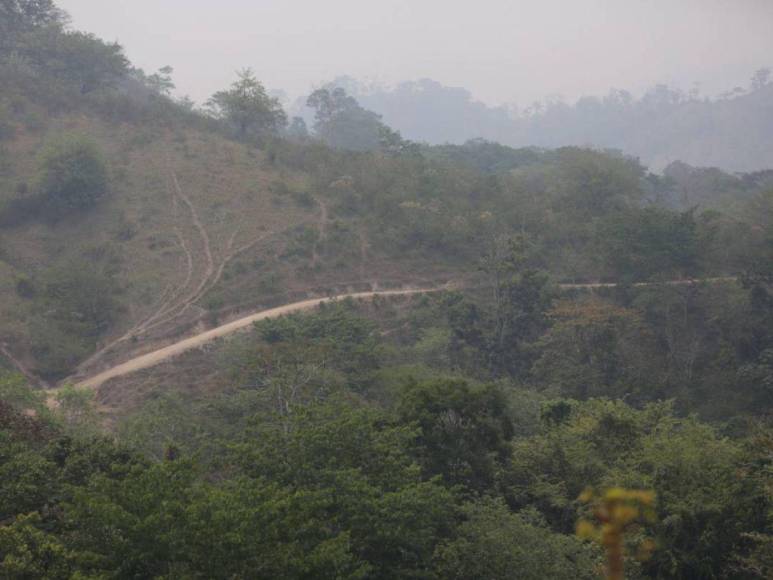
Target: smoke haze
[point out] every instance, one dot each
(503, 51)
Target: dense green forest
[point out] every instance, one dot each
(601, 327)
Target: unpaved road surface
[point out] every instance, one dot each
(158, 356)
(680, 282)
(163, 354)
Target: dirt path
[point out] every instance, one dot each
(682, 282)
(171, 300)
(175, 302)
(153, 358)
(178, 294)
(179, 307)
(168, 352)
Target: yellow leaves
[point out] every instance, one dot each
(617, 511)
(586, 495)
(586, 530)
(624, 514)
(645, 550)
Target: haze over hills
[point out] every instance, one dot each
(733, 131)
(454, 361)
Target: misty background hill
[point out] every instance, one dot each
(733, 131)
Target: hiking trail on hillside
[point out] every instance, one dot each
(200, 275)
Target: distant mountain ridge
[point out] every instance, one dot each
(733, 132)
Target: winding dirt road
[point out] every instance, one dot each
(163, 354)
(158, 356)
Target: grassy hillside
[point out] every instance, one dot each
(192, 221)
(196, 227)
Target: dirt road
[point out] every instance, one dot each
(153, 358)
(680, 282)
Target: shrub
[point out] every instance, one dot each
(73, 175)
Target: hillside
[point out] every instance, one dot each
(547, 362)
(195, 226)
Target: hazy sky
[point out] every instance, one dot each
(504, 51)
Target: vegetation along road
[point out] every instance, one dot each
(153, 358)
(158, 356)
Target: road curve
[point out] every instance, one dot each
(158, 356)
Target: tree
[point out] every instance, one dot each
(521, 299)
(358, 463)
(708, 492)
(640, 243)
(761, 78)
(20, 16)
(247, 108)
(73, 175)
(160, 82)
(594, 348)
(496, 544)
(593, 183)
(297, 129)
(464, 429)
(78, 299)
(26, 551)
(342, 123)
(79, 58)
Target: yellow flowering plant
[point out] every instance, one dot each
(617, 511)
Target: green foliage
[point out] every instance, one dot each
(160, 82)
(334, 490)
(76, 58)
(342, 123)
(247, 108)
(371, 442)
(706, 501)
(346, 340)
(15, 391)
(595, 183)
(494, 544)
(640, 243)
(79, 298)
(503, 332)
(361, 462)
(76, 409)
(28, 551)
(487, 156)
(20, 16)
(465, 429)
(594, 348)
(73, 175)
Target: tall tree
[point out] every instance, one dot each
(522, 298)
(20, 16)
(248, 108)
(342, 123)
(78, 57)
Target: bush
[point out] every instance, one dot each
(73, 175)
(78, 299)
(494, 543)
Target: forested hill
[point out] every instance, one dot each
(597, 375)
(733, 132)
